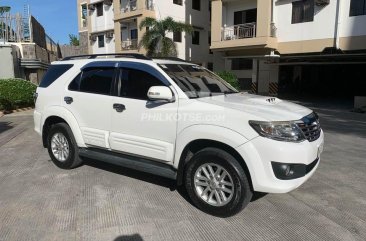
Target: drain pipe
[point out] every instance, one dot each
(337, 25)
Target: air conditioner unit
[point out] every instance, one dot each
(108, 2)
(321, 2)
(109, 35)
(93, 38)
(91, 7)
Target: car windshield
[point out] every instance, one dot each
(196, 81)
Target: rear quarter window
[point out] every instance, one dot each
(53, 73)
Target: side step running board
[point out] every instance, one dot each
(136, 163)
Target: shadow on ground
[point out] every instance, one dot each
(133, 237)
(150, 178)
(5, 125)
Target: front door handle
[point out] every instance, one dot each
(68, 100)
(119, 107)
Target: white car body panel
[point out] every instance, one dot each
(93, 113)
(140, 131)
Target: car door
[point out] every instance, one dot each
(89, 99)
(139, 126)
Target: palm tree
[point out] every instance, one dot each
(74, 40)
(155, 41)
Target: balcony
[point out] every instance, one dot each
(130, 44)
(240, 31)
(135, 8)
(129, 7)
(238, 26)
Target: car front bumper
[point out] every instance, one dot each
(262, 154)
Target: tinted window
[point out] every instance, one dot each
(177, 37)
(94, 80)
(53, 73)
(99, 9)
(358, 7)
(178, 2)
(303, 11)
(196, 4)
(241, 64)
(197, 81)
(136, 83)
(101, 41)
(247, 16)
(134, 34)
(196, 38)
(75, 84)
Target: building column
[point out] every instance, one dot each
(216, 21)
(140, 33)
(264, 18)
(117, 26)
(117, 37)
(141, 4)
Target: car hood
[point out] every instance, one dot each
(265, 107)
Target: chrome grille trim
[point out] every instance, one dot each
(310, 127)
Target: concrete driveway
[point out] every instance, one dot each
(97, 201)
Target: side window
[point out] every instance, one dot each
(53, 73)
(136, 83)
(94, 80)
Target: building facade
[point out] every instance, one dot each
(291, 46)
(113, 26)
(25, 48)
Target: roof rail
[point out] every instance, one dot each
(94, 56)
(172, 58)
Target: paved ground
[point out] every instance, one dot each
(102, 202)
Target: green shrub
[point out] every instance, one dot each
(230, 78)
(16, 93)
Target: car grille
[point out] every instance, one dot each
(310, 126)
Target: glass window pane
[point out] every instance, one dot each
(97, 80)
(136, 83)
(53, 73)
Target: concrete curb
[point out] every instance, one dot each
(6, 112)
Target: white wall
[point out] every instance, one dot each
(322, 27)
(104, 22)
(185, 13)
(351, 26)
(109, 46)
(100, 24)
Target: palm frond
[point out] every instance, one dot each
(148, 22)
(155, 42)
(168, 48)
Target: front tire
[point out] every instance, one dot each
(62, 147)
(216, 183)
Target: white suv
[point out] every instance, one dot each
(178, 120)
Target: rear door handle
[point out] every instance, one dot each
(68, 100)
(119, 107)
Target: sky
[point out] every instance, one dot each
(58, 17)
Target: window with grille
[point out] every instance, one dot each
(302, 11)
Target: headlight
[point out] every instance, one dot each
(278, 130)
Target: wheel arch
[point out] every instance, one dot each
(199, 144)
(56, 115)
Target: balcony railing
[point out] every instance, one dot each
(130, 44)
(240, 31)
(132, 5)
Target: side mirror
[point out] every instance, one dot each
(160, 93)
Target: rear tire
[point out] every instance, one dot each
(216, 183)
(62, 147)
